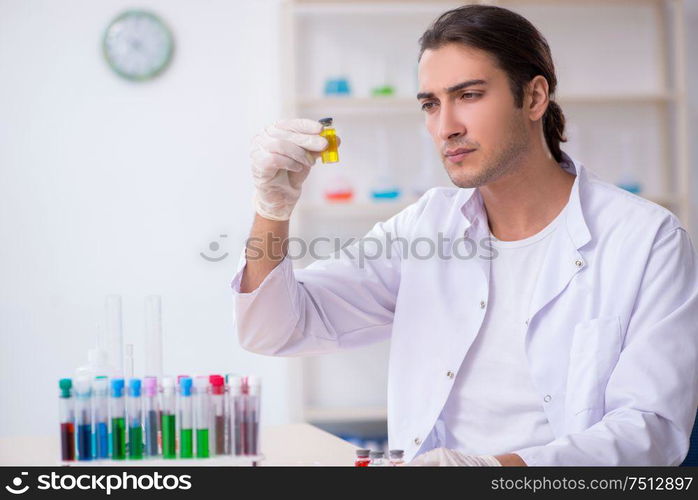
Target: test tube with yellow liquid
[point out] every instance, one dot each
(331, 154)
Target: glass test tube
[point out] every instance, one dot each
(135, 420)
(202, 414)
(83, 417)
(227, 423)
(251, 398)
(218, 415)
(186, 448)
(100, 417)
(168, 408)
(151, 416)
(118, 420)
(397, 457)
(66, 412)
(331, 153)
(235, 403)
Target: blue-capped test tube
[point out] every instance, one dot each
(100, 417)
(186, 418)
(83, 417)
(117, 410)
(135, 420)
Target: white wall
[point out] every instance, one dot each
(108, 186)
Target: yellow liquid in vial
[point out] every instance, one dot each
(330, 155)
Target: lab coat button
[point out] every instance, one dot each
(417, 441)
(449, 374)
(578, 263)
(547, 398)
(482, 304)
(526, 322)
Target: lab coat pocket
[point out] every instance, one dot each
(595, 349)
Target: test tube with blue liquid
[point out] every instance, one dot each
(100, 417)
(83, 417)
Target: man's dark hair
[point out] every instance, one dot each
(519, 48)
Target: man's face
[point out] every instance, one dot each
(470, 113)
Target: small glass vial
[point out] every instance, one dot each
(377, 459)
(362, 458)
(396, 457)
(331, 154)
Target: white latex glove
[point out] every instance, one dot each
(281, 159)
(446, 457)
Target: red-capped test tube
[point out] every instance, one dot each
(218, 415)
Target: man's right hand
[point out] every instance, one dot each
(281, 159)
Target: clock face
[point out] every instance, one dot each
(137, 45)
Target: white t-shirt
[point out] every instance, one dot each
(493, 407)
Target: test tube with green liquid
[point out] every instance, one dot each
(135, 420)
(168, 407)
(118, 420)
(186, 442)
(202, 416)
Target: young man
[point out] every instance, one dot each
(575, 342)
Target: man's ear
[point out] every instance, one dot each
(537, 97)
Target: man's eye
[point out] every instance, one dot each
(428, 106)
(470, 95)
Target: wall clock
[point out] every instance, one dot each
(138, 45)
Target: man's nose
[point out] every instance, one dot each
(450, 126)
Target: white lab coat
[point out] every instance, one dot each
(611, 340)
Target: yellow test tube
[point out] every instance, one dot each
(331, 154)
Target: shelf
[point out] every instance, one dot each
(378, 209)
(406, 105)
(386, 209)
(333, 415)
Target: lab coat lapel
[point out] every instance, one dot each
(563, 259)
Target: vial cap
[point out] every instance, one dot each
(100, 385)
(185, 386)
(134, 387)
(117, 387)
(168, 382)
(217, 383)
(362, 453)
(397, 453)
(65, 384)
(326, 122)
(150, 386)
(82, 386)
(377, 454)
